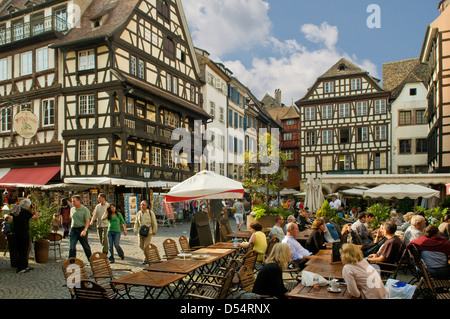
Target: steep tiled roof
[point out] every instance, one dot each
(397, 74)
(343, 68)
(117, 11)
(291, 113)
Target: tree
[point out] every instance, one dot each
(263, 170)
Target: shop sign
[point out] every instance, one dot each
(26, 124)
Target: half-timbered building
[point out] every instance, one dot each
(30, 91)
(344, 124)
(436, 54)
(130, 77)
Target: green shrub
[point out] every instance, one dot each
(41, 228)
(381, 214)
(330, 213)
(264, 210)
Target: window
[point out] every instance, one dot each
(163, 9)
(344, 135)
(18, 30)
(289, 155)
(86, 60)
(344, 163)
(405, 146)
(236, 120)
(221, 114)
(361, 108)
(421, 145)
(355, 84)
(169, 48)
(133, 66)
(327, 137)
(182, 56)
(413, 91)
(405, 169)
(48, 112)
(168, 159)
(310, 164)
(287, 136)
(362, 161)
(41, 59)
(404, 118)
(222, 169)
(421, 169)
(5, 119)
(230, 117)
(26, 66)
(141, 69)
(156, 156)
(420, 117)
(311, 138)
(212, 108)
(329, 87)
(380, 160)
(327, 111)
(61, 19)
(380, 106)
(290, 122)
(380, 132)
(86, 150)
(310, 113)
(327, 163)
(192, 94)
(363, 134)
(344, 110)
(3, 69)
(86, 104)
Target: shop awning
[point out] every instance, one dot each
(29, 177)
(3, 172)
(104, 181)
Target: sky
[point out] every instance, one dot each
(287, 44)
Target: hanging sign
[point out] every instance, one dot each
(26, 124)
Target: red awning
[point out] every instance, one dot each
(29, 177)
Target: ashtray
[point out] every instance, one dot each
(184, 255)
(335, 291)
(200, 256)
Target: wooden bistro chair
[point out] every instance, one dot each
(103, 274)
(170, 248)
(55, 241)
(152, 254)
(92, 290)
(270, 245)
(185, 247)
(74, 270)
(207, 290)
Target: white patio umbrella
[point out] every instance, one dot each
(319, 198)
(400, 191)
(309, 197)
(205, 185)
(288, 191)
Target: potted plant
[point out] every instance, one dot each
(41, 228)
(266, 215)
(330, 213)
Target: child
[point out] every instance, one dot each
(6, 225)
(56, 223)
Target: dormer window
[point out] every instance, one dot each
(342, 67)
(12, 9)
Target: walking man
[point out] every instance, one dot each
(102, 225)
(81, 218)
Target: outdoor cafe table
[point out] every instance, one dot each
(302, 236)
(244, 234)
(321, 264)
(216, 257)
(308, 292)
(153, 282)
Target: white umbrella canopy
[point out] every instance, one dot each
(318, 194)
(309, 197)
(205, 185)
(288, 191)
(399, 191)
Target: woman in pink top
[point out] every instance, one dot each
(362, 280)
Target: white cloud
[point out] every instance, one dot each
(224, 26)
(230, 26)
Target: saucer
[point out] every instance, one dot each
(335, 291)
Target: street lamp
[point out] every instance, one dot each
(147, 173)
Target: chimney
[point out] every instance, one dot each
(278, 97)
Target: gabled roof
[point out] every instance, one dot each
(291, 113)
(397, 74)
(342, 68)
(118, 12)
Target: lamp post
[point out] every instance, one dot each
(147, 173)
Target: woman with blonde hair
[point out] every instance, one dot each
(362, 280)
(270, 277)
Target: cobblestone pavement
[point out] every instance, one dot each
(46, 281)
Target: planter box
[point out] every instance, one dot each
(41, 250)
(266, 221)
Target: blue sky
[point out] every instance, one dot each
(287, 44)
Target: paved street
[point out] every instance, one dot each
(46, 281)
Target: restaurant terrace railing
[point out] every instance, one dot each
(20, 31)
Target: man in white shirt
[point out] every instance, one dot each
(298, 253)
(102, 225)
(335, 202)
(276, 229)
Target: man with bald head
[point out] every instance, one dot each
(299, 255)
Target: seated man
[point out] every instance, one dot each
(299, 255)
(360, 228)
(415, 230)
(276, 229)
(390, 250)
(303, 220)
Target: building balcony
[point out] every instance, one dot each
(37, 28)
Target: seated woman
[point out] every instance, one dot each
(316, 239)
(258, 239)
(270, 277)
(362, 280)
(434, 250)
